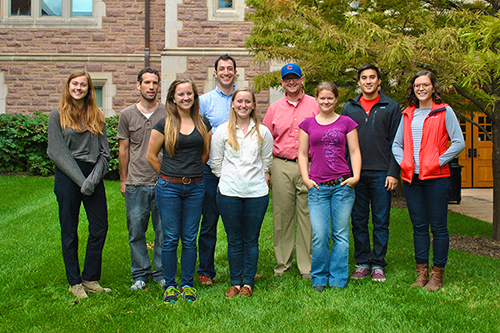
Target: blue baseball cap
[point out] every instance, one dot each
(291, 69)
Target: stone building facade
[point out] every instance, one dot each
(38, 50)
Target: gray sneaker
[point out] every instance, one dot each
(138, 285)
(161, 283)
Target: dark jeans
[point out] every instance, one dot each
(427, 202)
(70, 198)
(208, 229)
(371, 191)
(242, 218)
(180, 211)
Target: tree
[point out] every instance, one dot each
(330, 39)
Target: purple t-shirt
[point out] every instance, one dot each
(327, 146)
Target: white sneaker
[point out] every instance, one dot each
(161, 283)
(138, 285)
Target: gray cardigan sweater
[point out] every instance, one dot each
(66, 147)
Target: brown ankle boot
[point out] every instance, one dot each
(436, 281)
(422, 276)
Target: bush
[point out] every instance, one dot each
(23, 145)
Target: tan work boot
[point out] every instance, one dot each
(436, 281)
(94, 287)
(422, 276)
(78, 291)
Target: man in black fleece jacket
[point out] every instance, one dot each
(378, 117)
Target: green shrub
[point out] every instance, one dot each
(23, 145)
(111, 131)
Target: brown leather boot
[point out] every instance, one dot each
(422, 276)
(436, 281)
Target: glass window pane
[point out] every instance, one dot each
(51, 7)
(20, 7)
(98, 95)
(82, 8)
(225, 3)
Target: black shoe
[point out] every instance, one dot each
(319, 288)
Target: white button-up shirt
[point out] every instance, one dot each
(242, 172)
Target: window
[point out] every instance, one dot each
(52, 13)
(226, 10)
(225, 3)
(105, 91)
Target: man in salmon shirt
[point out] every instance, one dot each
(289, 192)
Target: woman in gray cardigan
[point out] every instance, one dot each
(79, 148)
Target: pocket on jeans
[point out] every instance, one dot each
(201, 184)
(130, 188)
(162, 182)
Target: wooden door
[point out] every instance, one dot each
(483, 154)
(476, 159)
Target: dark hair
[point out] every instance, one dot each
(369, 66)
(224, 57)
(412, 99)
(325, 85)
(148, 70)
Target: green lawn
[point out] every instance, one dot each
(34, 294)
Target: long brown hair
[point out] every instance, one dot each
(89, 116)
(231, 124)
(412, 99)
(173, 119)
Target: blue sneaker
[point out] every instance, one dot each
(189, 293)
(171, 295)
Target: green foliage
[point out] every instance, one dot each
(114, 145)
(330, 39)
(35, 296)
(23, 145)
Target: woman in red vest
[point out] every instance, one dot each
(420, 148)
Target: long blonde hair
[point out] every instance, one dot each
(88, 117)
(231, 124)
(173, 119)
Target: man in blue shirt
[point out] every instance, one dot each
(215, 106)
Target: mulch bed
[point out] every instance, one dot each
(483, 246)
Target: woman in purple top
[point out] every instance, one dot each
(330, 185)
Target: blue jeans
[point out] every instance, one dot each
(242, 218)
(208, 229)
(70, 199)
(427, 202)
(330, 211)
(180, 211)
(371, 191)
(141, 205)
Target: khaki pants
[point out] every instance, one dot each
(289, 198)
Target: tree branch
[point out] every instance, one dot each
(464, 117)
(472, 99)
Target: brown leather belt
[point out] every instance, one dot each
(181, 180)
(334, 181)
(290, 160)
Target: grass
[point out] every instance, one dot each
(34, 294)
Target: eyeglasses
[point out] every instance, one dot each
(290, 79)
(422, 85)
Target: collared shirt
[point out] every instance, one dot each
(283, 119)
(215, 106)
(136, 127)
(242, 172)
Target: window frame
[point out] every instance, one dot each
(66, 21)
(236, 13)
